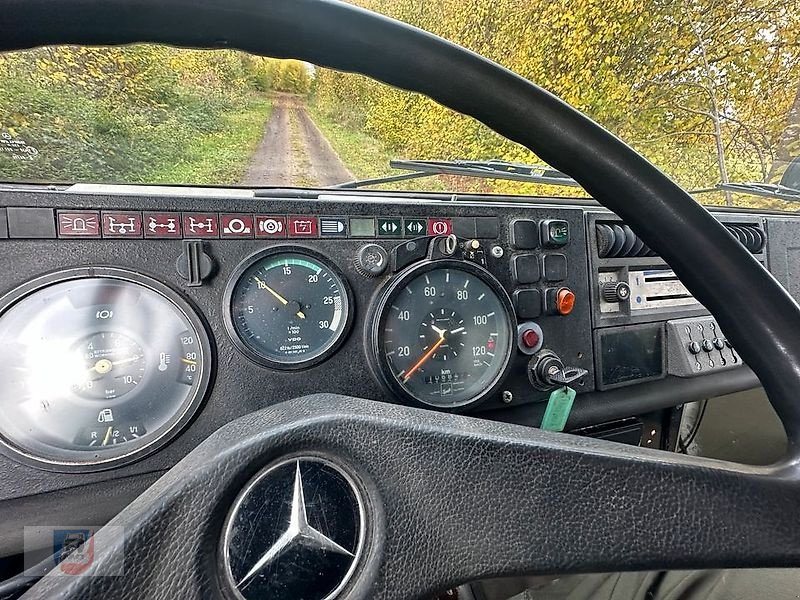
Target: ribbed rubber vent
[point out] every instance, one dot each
(617, 240)
(750, 235)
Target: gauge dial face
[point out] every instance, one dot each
(444, 334)
(95, 370)
(114, 363)
(288, 309)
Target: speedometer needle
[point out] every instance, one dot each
(278, 297)
(425, 357)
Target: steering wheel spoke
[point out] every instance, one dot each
(451, 499)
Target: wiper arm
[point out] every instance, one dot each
(764, 190)
(487, 169)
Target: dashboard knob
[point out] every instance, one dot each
(371, 260)
(719, 343)
(708, 345)
(616, 291)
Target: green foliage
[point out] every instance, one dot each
(269, 74)
(670, 76)
(131, 114)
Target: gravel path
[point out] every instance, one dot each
(293, 150)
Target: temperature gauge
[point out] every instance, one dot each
(97, 367)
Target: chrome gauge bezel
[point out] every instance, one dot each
(177, 423)
(377, 356)
(265, 361)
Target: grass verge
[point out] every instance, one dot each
(364, 156)
(221, 157)
(367, 157)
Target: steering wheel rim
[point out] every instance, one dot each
(748, 509)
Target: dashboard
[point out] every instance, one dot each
(136, 321)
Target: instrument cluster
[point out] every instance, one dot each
(104, 364)
(101, 366)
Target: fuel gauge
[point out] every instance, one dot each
(111, 434)
(97, 367)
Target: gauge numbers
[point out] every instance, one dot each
(115, 365)
(444, 334)
(97, 369)
(288, 309)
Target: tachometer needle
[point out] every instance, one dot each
(424, 358)
(278, 297)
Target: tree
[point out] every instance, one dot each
(701, 87)
(789, 142)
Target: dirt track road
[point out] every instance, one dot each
(293, 150)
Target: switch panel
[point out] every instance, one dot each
(697, 346)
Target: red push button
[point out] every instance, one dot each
(530, 338)
(203, 225)
(236, 226)
(270, 226)
(162, 225)
(122, 224)
(79, 223)
(303, 226)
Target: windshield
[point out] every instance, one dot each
(707, 90)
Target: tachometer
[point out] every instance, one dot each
(287, 308)
(443, 334)
(97, 366)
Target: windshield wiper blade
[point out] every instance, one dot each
(764, 190)
(487, 169)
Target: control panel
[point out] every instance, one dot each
(39, 223)
(242, 261)
(223, 305)
(539, 268)
(647, 325)
(631, 284)
(698, 347)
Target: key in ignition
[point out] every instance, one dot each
(546, 371)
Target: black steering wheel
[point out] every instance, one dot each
(446, 498)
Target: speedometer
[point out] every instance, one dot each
(443, 334)
(287, 308)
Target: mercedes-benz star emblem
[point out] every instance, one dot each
(294, 533)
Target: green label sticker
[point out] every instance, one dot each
(558, 408)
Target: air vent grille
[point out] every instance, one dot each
(617, 240)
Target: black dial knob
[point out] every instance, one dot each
(719, 343)
(708, 345)
(694, 348)
(616, 291)
(371, 260)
